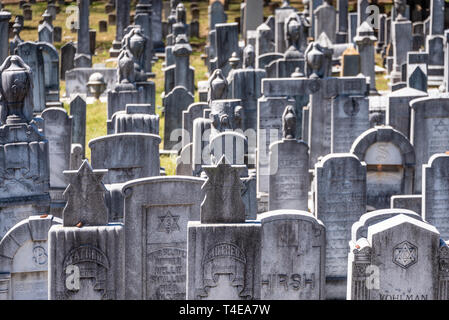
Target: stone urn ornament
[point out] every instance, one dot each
(218, 86)
(315, 60)
(96, 84)
(16, 101)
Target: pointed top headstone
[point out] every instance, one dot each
(223, 202)
(85, 196)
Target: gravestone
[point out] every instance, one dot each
(58, 131)
(123, 21)
(103, 26)
(136, 118)
(340, 199)
(397, 250)
(417, 70)
(365, 45)
(78, 112)
(24, 259)
(360, 228)
(350, 118)
(269, 130)
(401, 40)
(136, 155)
(429, 131)
(216, 14)
(289, 168)
(224, 252)
(246, 84)
(390, 159)
(24, 157)
(5, 16)
(398, 114)
(68, 52)
(157, 211)
(434, 194)
(32, 55)
(342, 21)
(350, 63)
(86, 253)
(194, 111)
(325, 21)
(409, 202)
(83, 56)
(253, 16)
(293, 256)
(51, 72)
(178, 100)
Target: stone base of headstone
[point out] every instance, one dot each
(68, 247)
(207, 277)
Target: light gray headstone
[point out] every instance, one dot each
(293, 256)
(340, 200)
(24, 259)
(396, 250)
(157, 211)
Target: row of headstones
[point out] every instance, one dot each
(284, 254)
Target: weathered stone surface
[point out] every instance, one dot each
(293, 255)
(24, 259)
(434, 194)
(157, 211)
(58, 131)
(136, 155)
(429, 131)
(340, 200)
(396, 250)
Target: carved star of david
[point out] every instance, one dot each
(168, 223)
(405, 254)
(441, 127)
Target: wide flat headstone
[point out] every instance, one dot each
(404, 255)
(293, 255)
(127, 156)
(157, 211)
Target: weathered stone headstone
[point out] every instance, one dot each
(58, 131)
(68, 52)
(365, 45)
(409, 202)
(24, 259)
(83, 57)
(434, 194)
(326, 21)
(78, 112)
(5, 16)
(86, 253)
(224, 252)
(31, 54)
(24, 158)
(350, 118)
(293, 256)
(340, 200)
(395, 251)
(157, 211)
(429, 131)
(398, 114)
(289, 168)
(136, 155)
(417, 70)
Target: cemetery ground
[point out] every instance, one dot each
(96, 111)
